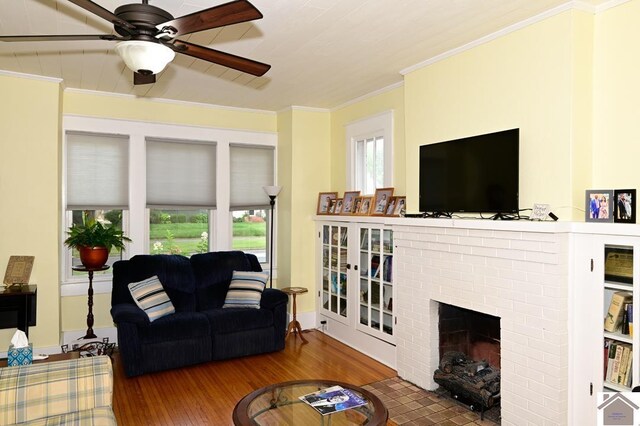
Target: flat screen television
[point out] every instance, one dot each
(477, 174)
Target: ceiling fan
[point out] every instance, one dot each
(147, 36)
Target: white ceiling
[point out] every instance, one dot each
(323, 52)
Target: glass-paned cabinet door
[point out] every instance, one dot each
(376, 282)
(335, 245)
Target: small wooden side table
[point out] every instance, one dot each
(81, 268)
(294, 325)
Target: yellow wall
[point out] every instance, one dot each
(30, 188)
(304, 138)
(616, 135)
(130, 108)
(389, 100)
(522, 80)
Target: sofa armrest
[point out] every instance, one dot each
(37, 391)
(127, 312)
(272, 297)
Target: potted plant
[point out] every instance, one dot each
(94, 241)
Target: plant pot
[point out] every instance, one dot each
(93, 257)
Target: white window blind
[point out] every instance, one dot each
(181, 173)
(97, 171)
(252, 168)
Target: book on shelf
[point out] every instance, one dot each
(613, 320)
(616, 364)
(630, 318)
(612, 356)
(622, 373)
(607, 345)
(333, 399)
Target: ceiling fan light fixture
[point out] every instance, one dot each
(145, 57)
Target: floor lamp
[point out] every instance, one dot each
(272, 192)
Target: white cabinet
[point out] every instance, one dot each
(605, 265)
(355, 285)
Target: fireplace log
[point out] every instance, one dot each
(467, 390)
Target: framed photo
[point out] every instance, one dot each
(391, 206)
(349, 204)
(18, 270)
(337, 208)
(381, 199)
(363, 205)
(598, 205)
(401, 206)
(324, 201)
(618, 264)
(625, 207)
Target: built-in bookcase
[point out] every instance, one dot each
(356, 290)
(606, 266)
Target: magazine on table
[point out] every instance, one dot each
(333, 399)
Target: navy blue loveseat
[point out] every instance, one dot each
(200, 330)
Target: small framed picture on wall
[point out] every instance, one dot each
(625, 206)
(598, 205)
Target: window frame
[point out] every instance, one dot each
(371, 127)
(136, 217)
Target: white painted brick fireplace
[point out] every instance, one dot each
(515, 271)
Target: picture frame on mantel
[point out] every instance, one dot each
(349, 202)
(625, 206)
(598, 205)
(324, 202)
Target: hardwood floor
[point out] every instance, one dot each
(206, 394)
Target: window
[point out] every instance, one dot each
(252, 167)
(369, 153)
(180, 175)
(96, 184)
(173, 188)
(250, 232)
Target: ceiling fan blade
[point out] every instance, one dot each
(60, 37)
(226, 59)
(225, 14)
(143, 78)
(96, 9)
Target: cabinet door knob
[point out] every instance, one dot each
(348, 266)
(355, 267)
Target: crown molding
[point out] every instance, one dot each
(31, 76)
(571, 5)
(369, 95)
(168, 101)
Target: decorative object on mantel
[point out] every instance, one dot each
(94, 241)
(625, 208)
(272, 192)
(349, 202)
(324, 202)
(18, 271)
(381, 199)
(598, 206)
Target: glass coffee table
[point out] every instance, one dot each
(279, 404)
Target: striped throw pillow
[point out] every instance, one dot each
(245, 290)
(151, 298)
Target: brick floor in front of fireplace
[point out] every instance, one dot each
(410, 405)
